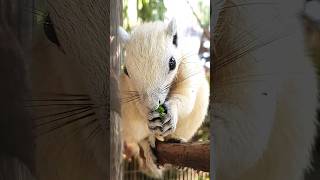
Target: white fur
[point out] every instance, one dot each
(263, 136)
(147, 55)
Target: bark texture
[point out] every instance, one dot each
(193, 155)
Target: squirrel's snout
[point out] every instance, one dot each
(152, 102)
(154, 105)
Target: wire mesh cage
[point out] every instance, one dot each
(131, 172)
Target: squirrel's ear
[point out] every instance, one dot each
(123, 35)
(172, 31)
(172, 27)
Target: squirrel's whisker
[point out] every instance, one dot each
(64, 117)
(60, 113)
(67, 123)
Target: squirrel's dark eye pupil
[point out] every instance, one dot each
(125, 71)
(172, 63)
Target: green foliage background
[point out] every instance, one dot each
(148, 10)
(151, 10)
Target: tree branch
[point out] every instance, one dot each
(193, 155)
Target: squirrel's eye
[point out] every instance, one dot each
(126, 71)
(49, 30)
(172, 63)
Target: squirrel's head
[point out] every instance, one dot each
(151, 60)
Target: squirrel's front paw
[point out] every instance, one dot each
(163, 124)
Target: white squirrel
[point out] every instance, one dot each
(265, 101)
(158, 73)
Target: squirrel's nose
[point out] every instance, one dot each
(152, 101)
(155, 107)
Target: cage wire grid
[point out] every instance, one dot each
(131, 172)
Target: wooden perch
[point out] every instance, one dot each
(193, 155)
